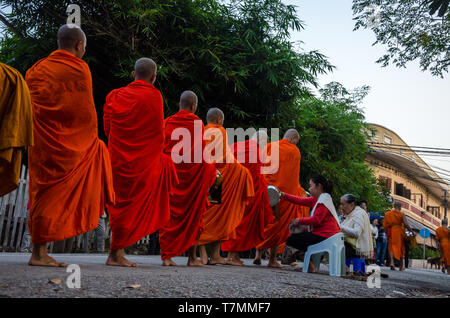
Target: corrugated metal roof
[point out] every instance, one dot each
(418, 226)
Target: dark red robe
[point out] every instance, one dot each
(143, 175)
(190, 196)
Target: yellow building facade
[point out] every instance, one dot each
(409, 179)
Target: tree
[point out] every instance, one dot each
(333, 142)
(235, 55)
(411, 29)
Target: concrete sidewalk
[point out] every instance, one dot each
(17, 279)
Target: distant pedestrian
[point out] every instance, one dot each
(363, 204)
(99, 236)
(374, 232)
(382, 244)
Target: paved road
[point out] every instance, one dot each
(17, 279)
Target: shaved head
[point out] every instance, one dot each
(145, 69)
(215, 116)
(261, 138)
(292, 136)
(397, 205)
(444, 222)
(71, 38)
(188, 101)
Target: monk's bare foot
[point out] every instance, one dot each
(293, 264)
(217, 260)
(194, 263)
(203, 255)
(274, 264)
(45, 260)
(119, 261)
(234, 262)
(257, 261)
(168, 262)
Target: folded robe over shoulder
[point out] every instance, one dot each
(287, 180)
(16, 126)
(143, 174)
(190, 196)
(70, 170)
(258, 213)
(394, 220)
(221, 220)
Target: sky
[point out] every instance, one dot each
(412, 103)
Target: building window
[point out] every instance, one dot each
(387, 140)
(435, 210)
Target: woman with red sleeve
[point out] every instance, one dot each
(323, 220)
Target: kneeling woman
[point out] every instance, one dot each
(324, 219)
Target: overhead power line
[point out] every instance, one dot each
(404, 146)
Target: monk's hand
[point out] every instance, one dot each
(282, 195)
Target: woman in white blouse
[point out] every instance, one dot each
(356, 229)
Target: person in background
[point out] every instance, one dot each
(381, 245)
(99, 236)
(374, 230)
(26, 246)
(363, 205)
(410, 241)
(356, 228)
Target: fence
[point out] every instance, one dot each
(14, 223)
(14, 215)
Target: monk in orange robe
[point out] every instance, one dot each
(16, 126)
(143, 175)
(70, 170)
(258, 213)
(190, 196)
(286, 177)
(396, 221)
(221, 220)
(442, 235)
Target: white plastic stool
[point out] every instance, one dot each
(335, 248)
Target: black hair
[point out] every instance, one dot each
(360, 202)
(326, 185)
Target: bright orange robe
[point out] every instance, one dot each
(16, 126)
(143, 174)
(394, 220)
(287, 179)
(258, 213)
(190, 196)
(221, 220)
(70, 170)
(442, 235)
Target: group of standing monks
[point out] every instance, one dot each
(74, 176)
